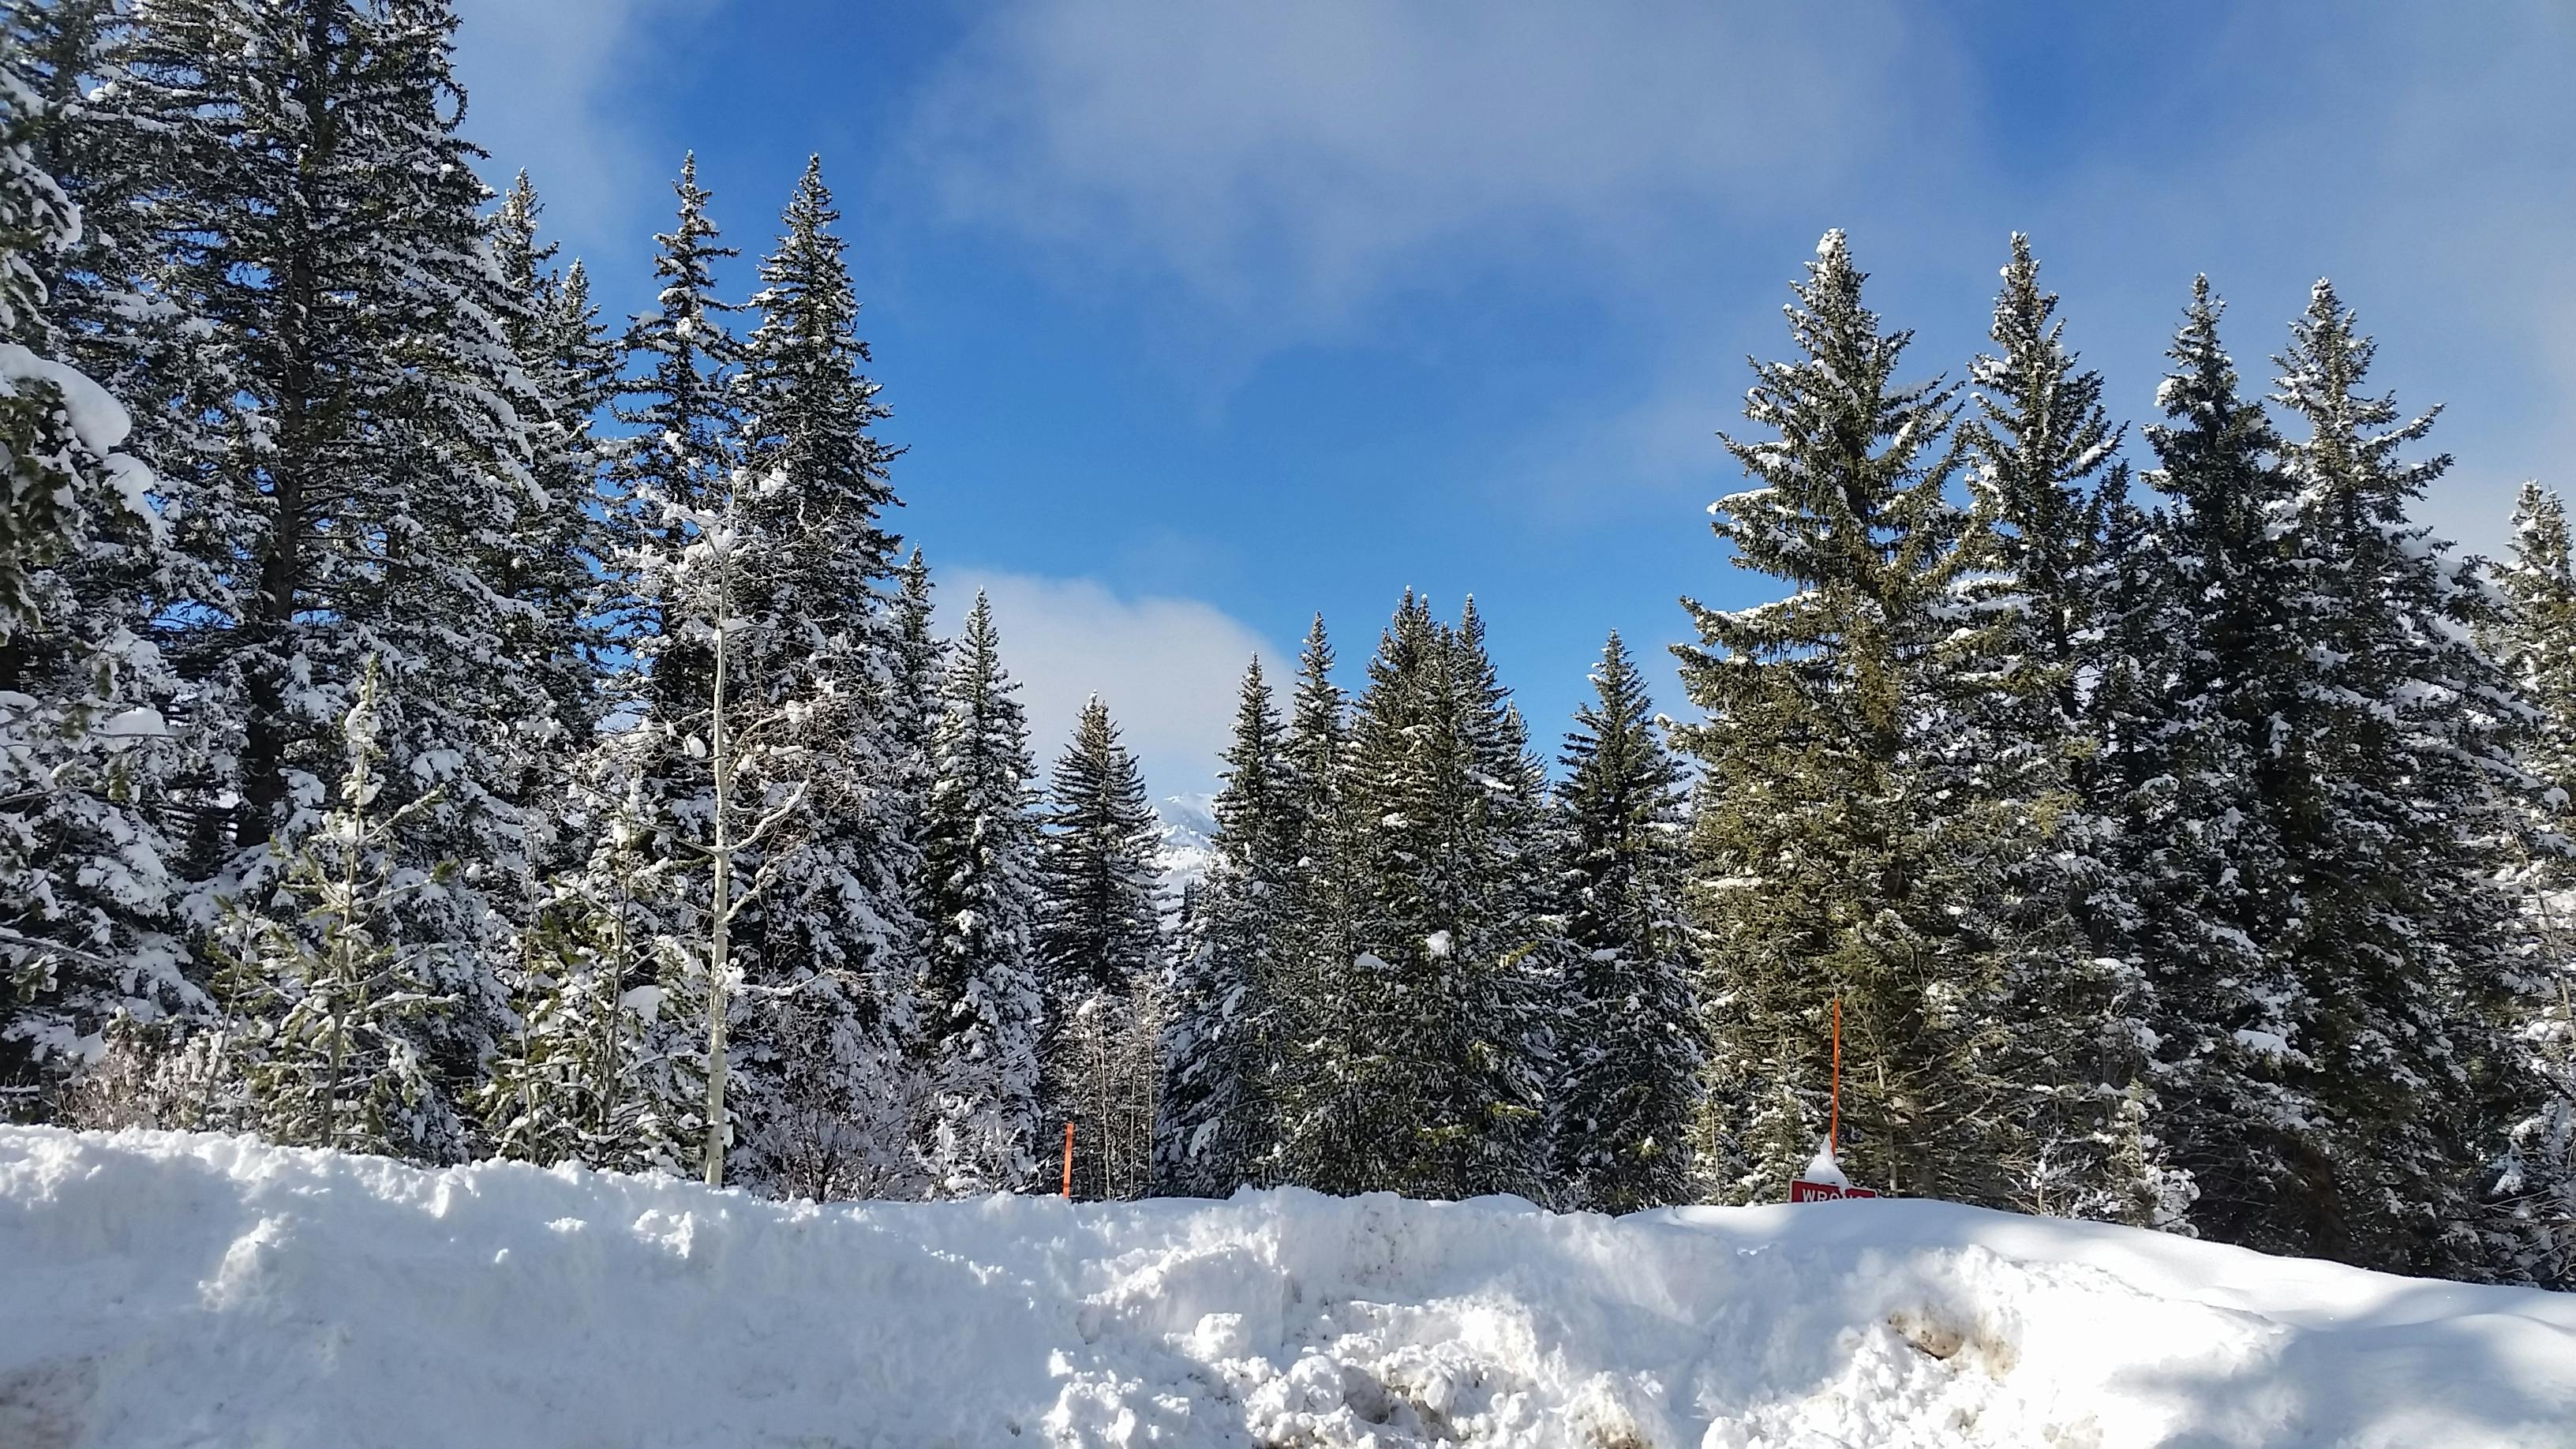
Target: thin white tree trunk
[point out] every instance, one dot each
(717, 964)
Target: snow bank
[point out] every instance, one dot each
(159, 1289)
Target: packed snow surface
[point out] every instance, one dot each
(171, 1290)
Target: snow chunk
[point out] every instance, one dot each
(1822, 1167)
(98, 419)
(644, 1001)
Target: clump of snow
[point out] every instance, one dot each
(173, 1289)
(96, 417)
(1822, 1167)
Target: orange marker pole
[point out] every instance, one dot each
(1833, 1125)
(1068, 1159)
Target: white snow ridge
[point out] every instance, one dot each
(167, 1290)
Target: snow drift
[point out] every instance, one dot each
(161, 1289)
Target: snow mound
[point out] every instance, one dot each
(169, 1289)
(1822, 1167)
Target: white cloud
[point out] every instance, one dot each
(545, 91)
(1166, 667)
(1288, 160)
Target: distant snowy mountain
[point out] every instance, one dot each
(1189, 839)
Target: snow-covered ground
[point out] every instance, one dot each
(161, 1290)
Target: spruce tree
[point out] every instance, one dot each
(982, 1011)
(2044, 472)
(1313, 1084)
(1097, 944)
(360, 480)
(2391, 753)
(1836, 857)
(686, 422)
(2193, 667)
(583, 1078)
(2533, 1197)
(554, 332)
(324, 1004)
(87, 889)
(833, 936)
(2047, 483)
(1632, 1068)
(1438, 1088)
(1218, 1128)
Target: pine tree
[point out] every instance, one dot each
(584, 1079)
(360, 478)
(1436, 1090)
(910, 707)
(1097, 944)
(2045, 472)
(1219, 1124)
(2048, 484)
(2194, 667)
(1313, 1083)
(2535, 640)
(2391, 751)
(2533, 1197)
(87, 894)
(1631, 1076)
(111, 159)
(554, 332)
(832, 938)
(687, 425)
(1835, 857)
(325, 1007)
(982, 1010)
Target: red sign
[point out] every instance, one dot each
(1805, 1191)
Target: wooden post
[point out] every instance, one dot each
(1068, 1159)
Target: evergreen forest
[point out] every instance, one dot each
(439, 720)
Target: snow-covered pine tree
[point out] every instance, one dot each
(554, 332)
(86, 757)
(324, 1004)
(552, 570)
(676, 555)
(371, 492)
(1634, 1050)
(831, 942)
(910, 709)
(1218, 1127)
(2044, 472)
(1313, 1081)
(1097, 944)
(112, 160)
(1837, 855)
(2534, 640)
(585, 1078)
(2047, 481)
(2192, 671)
(1437, 1088)
(982, 1011)
(2391, 807)
(686, 426)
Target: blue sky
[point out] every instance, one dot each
(1200, 318)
